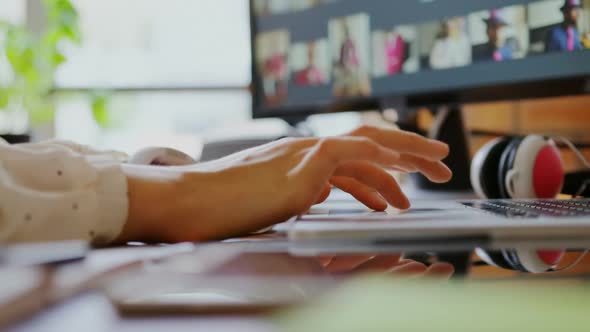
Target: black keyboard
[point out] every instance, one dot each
(534, 208)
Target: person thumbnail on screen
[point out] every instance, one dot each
(261, 7)
(499, 34)
(395, 51)
(310, 63)
(566, 37)
(445, 44)
(559, 25)
(272, 56)
(584, 24)
(349, 39)
(298, 5)
(272, 7)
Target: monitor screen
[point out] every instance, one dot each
(321, 55)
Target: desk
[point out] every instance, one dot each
(92, 311)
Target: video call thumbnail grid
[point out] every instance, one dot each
(351, 54)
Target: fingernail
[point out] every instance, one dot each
(405, 204)
(437, 142)
(443, 146)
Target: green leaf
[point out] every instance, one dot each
(58, 58)
(52, 36)
(100, 110)
(42, 114)
(4, 98)
(56, 9)
(71, 32)
(19, 50)
(63, 19)
(40, 108)
(33, 60)
(32, 79)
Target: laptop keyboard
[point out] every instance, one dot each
(534, 208)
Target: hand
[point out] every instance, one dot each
(282, 264)
(262, 186)
(391, 264)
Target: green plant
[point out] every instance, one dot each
(33, 60)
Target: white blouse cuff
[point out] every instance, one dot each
(113, 204)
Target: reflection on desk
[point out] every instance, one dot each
(93, 312)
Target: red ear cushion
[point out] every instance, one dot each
(548, 173)
(536, 261)
(551, 257)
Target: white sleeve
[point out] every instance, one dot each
(58, 191)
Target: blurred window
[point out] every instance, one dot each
(155, 43)
(173, 69)
(13, 11)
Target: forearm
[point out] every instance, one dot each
(174, 204)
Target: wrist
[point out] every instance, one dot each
(152, 194)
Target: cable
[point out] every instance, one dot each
(574, 263)
(586, 183)
(578, 153)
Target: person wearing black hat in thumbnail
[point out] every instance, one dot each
(566, 37)
(495, 50)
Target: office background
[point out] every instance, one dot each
(176, 71)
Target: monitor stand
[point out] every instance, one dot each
(299, 125)
(449, 127)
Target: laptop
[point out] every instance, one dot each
(446, 224)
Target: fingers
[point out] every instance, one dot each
(403, 169)
(376, 177)
(417, 152)
(405, 142)
(363, 193)
(344, 264)
(325, 194)
(409, 269)
(435, 171)
(440, 270)
(329, 153)
(378, 264)
(353, 264)
(358, 158)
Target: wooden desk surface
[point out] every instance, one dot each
(93, 312)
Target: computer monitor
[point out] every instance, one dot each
(316, 56)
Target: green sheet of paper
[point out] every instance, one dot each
(386, 304)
